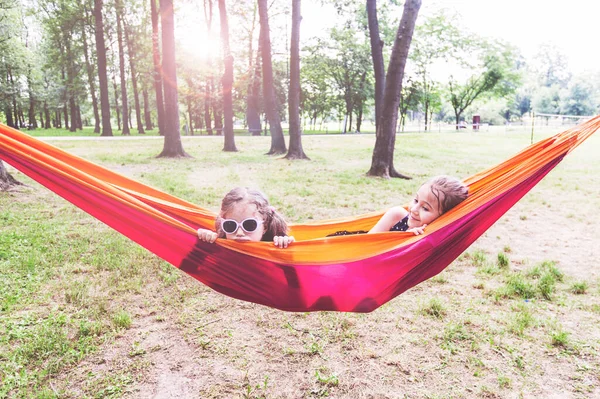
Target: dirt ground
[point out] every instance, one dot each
(211, 346)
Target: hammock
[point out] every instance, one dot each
(352, 273)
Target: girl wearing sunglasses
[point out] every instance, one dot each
(247, 216)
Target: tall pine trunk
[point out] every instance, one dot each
(377, 56)
(172, 146)
(124, 99)
(90, 72)
(252, 115)
(227, 81)
(102, 75)
(116, 94)
(295, 151)
(382, 163)
(147, 113)
(158, 85)
(134, 82)
(271, 108)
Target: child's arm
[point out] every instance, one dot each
(207, 235)
(389, 219)
(283, 241)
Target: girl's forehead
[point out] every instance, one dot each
(425, 194)
(242, 210)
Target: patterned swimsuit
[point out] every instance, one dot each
(401, 225)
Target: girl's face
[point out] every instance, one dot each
(239, 213)
(424, 208)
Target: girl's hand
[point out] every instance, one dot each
(207, 235)
(282, 241)
(417, 230)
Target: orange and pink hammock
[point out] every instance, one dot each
(355, 273)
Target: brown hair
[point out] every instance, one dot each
(274, 223)
(449, 192)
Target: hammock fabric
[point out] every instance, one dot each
(353, 273)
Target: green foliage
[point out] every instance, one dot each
(122, 319)
(435, 308)
(579, 287)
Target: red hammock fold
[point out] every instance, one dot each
(347, 273)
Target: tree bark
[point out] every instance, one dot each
(124, 99)
(207, 107)
(383, 154)
(252, 114)
(173, 147)
(116, 94)
(295, 151)
(6, 180)
(134, 82)
(158, 85)
(271, 108)
(227, 81)
(377, 55)
(102, 75)
(90, 73)
(147, 113)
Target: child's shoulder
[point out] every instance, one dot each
(397, 211)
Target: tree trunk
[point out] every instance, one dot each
(216, 109)
(252, 114)
(6, 180)
(71, 76)
(132, 69)
(377, 55)
(295, 150)
(47, 113)
(102, 75)
(227, 81)
(147, 113)
(277, 140)
(124, 99)
(173, 147)
(90, 74)
(208, 99)
(116, 94)
(66, 116)
(160, 109)
(32, 123)
(207, 107)
(383, 154)
(9, 117)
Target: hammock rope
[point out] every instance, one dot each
(355, 273)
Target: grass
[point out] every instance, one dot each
(85, 312)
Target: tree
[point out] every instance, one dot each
(497, 77)
(437, 38)
(134, 79)
(158, 84)
(377, 56)
(410, 98)
(295, 151)
(382, 163)
(90, 70)
(579, 99)
(277, 140)
(227, 81)
(124, 100)
(102, 75)
(6, 180)
(173, 147)
(551, 66)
